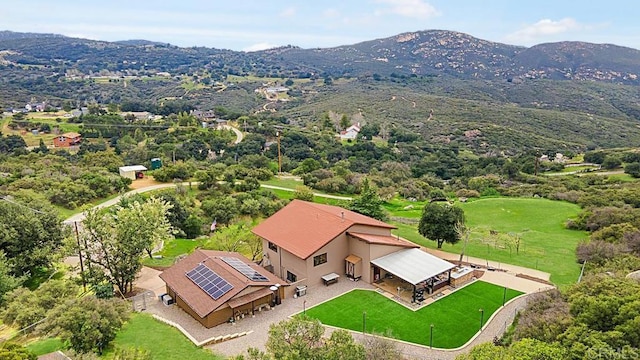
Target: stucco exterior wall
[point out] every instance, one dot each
(366, 229)
(290, 262)
(337, 250)
(361, 249)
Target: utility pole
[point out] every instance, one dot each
(537, 162)
(84, 283)
(279, 154)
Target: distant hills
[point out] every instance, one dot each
(448, 87)
(430, 53)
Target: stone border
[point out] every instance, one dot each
(211, 340)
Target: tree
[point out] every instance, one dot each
(24, 307)
(301, 339)
(303, 193)
(633, 169)
(222, 210)
(30, 235)
(192, 227)
(611, 162)
(295, 339)
(13, 351)
(42, 148)
(381, 348)
(526, 349)
(88, 323)
(344, 122)
(8, 282)
(438, 222)
(115, 242)
(369, 203)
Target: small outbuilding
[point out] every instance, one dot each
(215, 287)
(132, 171)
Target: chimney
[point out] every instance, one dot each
(342, 213)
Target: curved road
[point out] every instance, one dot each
(239, 134)
(80, 216)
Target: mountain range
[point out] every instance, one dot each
(432, 52)
(439, 84)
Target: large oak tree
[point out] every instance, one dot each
(114, 242)
(440, 223)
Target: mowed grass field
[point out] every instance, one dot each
(545, 243)
(163, 341)
(455, 318)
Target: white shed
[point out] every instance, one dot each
(132, 171)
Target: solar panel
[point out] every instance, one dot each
(210, 282)
(244, 268)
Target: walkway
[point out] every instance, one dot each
(513, 269)
(259, 325)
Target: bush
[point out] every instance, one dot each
(192, 227)
(467, 193)
(597, 252)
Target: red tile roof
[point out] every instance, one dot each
(383, 240)
(203, 304)
(302, 228)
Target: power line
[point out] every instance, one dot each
(6, 198)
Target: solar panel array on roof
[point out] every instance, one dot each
(210, 282)
(244, 268)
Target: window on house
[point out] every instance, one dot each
(273, 246)
(320, 259)
(291, 277)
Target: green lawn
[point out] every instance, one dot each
(403, 208)
(578, 168)
(545, 243)
(161, 340)
(171, 250)
(286, 183)
(455, 318)
(622, 178)
(45, 346)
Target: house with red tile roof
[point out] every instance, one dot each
(307, 244)
(215, 287)
(67, 140)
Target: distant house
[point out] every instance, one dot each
(215, 287)
(36, 107)
(67, 140)
(310, 244)
(276, 89)
(132, 171)
(138, 115)
(351, 133)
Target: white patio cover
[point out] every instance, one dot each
(132, 168)
(413, 265)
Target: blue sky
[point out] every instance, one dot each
(253, 25)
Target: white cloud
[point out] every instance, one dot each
(259, 46)
(409, 8)
(288, 12)
(545, 28)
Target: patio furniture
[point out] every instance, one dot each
(330, 279)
